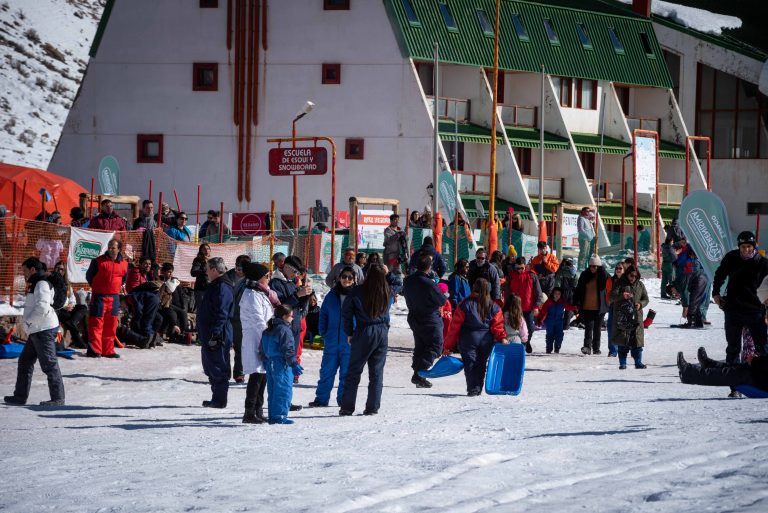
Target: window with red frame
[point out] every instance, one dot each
(336, 5)
(149, 148)
(586, 94)
(588, 163)
(331, 73)
(523, 158)
(209, 4)
(205, 76)
(564, 90)
(354, 149)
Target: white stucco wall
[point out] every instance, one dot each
(140, 82)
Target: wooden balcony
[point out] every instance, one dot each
(455, 109)
(519, 115)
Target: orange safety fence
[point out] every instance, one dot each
(22, 238)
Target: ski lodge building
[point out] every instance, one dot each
(188, 92)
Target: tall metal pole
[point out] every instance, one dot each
(436, 156)
(541, 154)
(491, 225)
(600, 176)
(295, 185)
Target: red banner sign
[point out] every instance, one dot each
(250, 223)
(298, 161)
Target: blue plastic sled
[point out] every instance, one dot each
(506, 367)
(752, 392)
(445, 366)
(13, 350)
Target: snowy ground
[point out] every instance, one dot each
(583, 435)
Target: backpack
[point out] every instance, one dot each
(626, 316)
(60, 289)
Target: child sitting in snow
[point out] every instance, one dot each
(279, 356)
(551, 314)
(514, 324)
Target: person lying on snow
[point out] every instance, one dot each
(714, 373)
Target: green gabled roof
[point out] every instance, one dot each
(524, 137)
(590, 143)
(470, 46)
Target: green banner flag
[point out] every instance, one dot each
(704, 221)
(447, 191)
(109, 176)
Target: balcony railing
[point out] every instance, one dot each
(671, 193)
(553, 187)
(609, 192)
(450, 108)
(519, 115)
(653, 124)
(475, 182)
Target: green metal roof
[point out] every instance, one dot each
(611, 214)
(524, 137)
(668, 150)
(590, 143)
(470, 46)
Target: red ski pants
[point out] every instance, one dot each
(102, 323)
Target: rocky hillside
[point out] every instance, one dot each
(44, 48)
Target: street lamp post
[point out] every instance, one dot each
(303, 112)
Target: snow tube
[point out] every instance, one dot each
(445, 366)
(12, 350)
(506, 367)
(753, 392)
(69, 354)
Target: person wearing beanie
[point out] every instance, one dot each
(78, 218)
(591, 301)
(256, 306)
(745, 269)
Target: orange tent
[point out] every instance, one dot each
(64, 193)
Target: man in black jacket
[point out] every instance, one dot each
(428, 248)
(592, 304)
(424, 300)
(745, 270)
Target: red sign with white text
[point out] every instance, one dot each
(250, 223)
(298, 161)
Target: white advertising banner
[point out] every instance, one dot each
(370, 228)
(645, 162)
(325, 252)
(84, 246)
(570, 235)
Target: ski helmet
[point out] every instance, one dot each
(746, 237)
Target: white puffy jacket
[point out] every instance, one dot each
(39, 314)
(255, 311)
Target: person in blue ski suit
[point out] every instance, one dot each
(458, 284)
(279, 356)
(365, 316)
(283, 282)
(335, 345)
(424, 301)
(214, 330)
(552, 315)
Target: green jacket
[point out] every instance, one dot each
(639, 295)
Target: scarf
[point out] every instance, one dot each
(271, 294)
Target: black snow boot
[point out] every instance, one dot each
(705, 361)
(419, 381)
(251, 417)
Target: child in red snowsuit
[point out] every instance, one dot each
(446, 311)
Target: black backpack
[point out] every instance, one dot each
(60, 289)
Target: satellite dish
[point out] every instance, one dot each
(479, 208)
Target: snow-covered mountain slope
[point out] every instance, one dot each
(44, 48)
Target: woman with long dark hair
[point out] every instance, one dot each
(365, 318)
(476, 325)
(199, 271)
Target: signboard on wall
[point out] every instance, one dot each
(370, 228)
(298, 161)
(570, 234)
(250, 223)
(645, 164)
(109, 176)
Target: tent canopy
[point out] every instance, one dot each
(64, 193)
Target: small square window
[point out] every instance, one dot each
(210, 4)
(331, 74)
(354, 149)
(149, 148)
(205, 76)
(336, 5)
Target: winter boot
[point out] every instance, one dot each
(586, 350)
(250, 417)
(649, 318)
(528, 348)
(52, 402)
(705, 360)
(419, 381)
(15, 401)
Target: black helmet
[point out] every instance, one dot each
(746, 237)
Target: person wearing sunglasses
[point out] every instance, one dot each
(628, 298)
(335, 346)
(524, 283)
(179, 230)
(481, 267)
(592, 303)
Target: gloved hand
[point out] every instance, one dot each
(298, 370)
(214, 343)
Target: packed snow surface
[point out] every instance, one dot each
(693, 17)
(583, 435)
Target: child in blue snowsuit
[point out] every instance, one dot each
(279, 355)
(551, 315)
(336, 348)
